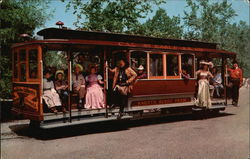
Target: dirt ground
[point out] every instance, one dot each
(223, 136)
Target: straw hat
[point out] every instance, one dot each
(79, 66)
(140, 68)
(59, 71)
(206, 63)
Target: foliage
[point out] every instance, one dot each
(17, 17)
(56, 59)
(111, 15)
(5, 82)
(161, 25)
(205, 20)
(21, 16)
(211, 22)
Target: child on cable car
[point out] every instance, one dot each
(62, 88)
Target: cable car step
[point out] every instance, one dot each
(76, 113)
(48, 125)
(221, 107)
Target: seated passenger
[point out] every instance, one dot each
(94, 95)
(184, 74)
(141, 73)
(217, 81)
(79, 84)
(62, 88)
(50, 95)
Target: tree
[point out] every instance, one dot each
(110, 15)
(235, 37)
(205, 19)
(17, 17)
(161, 25)
(211, 22)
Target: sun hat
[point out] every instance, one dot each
(59, 71)
(140, 68)
(80, 66)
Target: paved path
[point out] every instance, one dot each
(219, 137)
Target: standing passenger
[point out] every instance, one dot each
(237, 80)
(203, 96)
(94, 95)
(79, 84)
(123, 80)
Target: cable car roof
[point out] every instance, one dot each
(58, 37)
(56, 33)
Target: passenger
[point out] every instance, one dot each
(237, 80)
(94, 95)
(85, 63)
(33, 74)
(79, 84)
(53, 73)
(184, 74)
(62, 88)
(123, 80)
(50, 95)
(141, 73)
(217, 81)
(203, 96)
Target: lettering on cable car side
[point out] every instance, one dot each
(160, 101)
(25, 97)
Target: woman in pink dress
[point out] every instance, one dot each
(94, 96)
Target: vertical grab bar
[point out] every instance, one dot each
(70, 85)
(105, 82)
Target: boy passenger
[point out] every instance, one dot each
(79, 84)
(62, 88)
(141, 73)
(50, 95)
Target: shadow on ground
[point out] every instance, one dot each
(102, 127)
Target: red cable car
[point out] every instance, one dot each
(162, 90)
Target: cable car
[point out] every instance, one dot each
(162, 91)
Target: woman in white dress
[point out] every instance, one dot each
(203, 96)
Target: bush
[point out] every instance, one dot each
(5, 76)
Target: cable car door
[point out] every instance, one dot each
(27, 82)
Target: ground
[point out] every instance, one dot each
(223, 136)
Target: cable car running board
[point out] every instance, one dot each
(49, 125)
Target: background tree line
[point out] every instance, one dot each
(204, 20)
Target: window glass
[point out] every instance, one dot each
(156, 65)
(22, 55)
(33, 63)
(139, 63)
(187, 64)
(15, 65)
(23, 72)
(172, 65)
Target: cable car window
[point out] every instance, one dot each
(33, 63)
(138, 62)
(22, 56)
(187, 64)
(23, 72)
(15, 65)
(172, 65)
(156, 65)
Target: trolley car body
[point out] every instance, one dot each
(164, 90)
